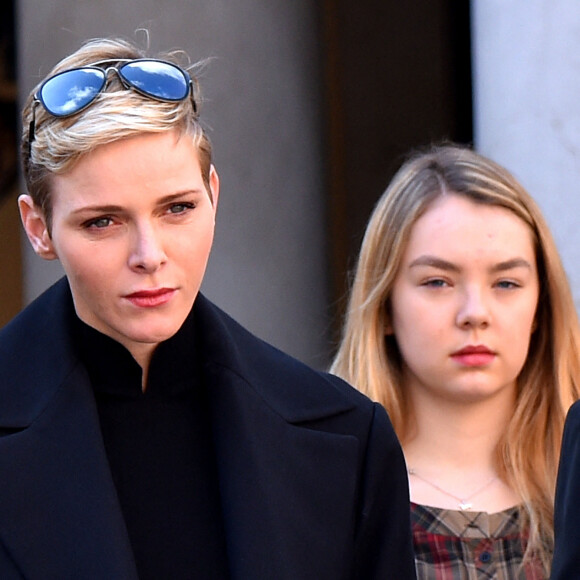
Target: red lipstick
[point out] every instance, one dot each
(474, 356)
(150, 298)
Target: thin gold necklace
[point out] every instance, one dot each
(464, 503)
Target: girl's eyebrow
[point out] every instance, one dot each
(435, 262)
(510, 264)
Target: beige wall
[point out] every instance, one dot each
(527, 111)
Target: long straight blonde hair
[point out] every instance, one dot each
(528, 453)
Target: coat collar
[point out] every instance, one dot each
(284, 383)
(36, 355)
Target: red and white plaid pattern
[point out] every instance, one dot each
(462, 545)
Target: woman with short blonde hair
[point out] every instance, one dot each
(144, 434)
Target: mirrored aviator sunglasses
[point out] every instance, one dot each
(71, 91)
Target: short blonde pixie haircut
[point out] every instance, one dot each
(528, 454)
(117, 113)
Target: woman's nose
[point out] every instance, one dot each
(147, 253)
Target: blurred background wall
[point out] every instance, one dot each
(311, 105)
(526, 61)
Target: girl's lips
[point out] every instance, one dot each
(474, 356)
(151, 298)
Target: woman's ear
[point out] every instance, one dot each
(34, 224)
(214, 186)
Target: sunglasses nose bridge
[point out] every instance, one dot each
(107, 72)
(111, 71)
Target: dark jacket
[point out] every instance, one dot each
(312, 477)
(566, 563)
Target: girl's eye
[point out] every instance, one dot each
(435, 283)
(507, 284)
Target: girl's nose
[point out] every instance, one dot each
(474, 311)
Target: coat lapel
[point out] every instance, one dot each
(59, 513)
(286, 490)
(286, 483)
(59, 516)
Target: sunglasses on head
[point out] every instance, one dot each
(70, 91)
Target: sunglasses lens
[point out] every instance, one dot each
(71, 91)
(157, 79)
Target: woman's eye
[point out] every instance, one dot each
(99, 223)
(177, 208)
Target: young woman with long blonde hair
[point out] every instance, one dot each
(462, 324)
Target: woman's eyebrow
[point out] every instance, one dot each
(180, 194)
(112, 208)
(98, 209)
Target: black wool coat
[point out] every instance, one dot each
(312, 478)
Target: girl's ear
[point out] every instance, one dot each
(34, 224)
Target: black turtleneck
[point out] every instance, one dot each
(159, 446)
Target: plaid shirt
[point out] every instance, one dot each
(461, 545)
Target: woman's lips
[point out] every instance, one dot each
(474, 356)
(151, 298)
